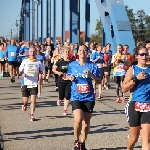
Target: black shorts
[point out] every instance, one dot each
(109, 70)
(26, 92)
(118, 79)
(46, 69)
(106, 69)
(101, 74)
(18, 64)
(64, 90)
(136, 118)
(13, 63)
(85, 106)
(2, 62)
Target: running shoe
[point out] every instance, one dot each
(32, 117)
(24, 107)
(59, 102)
(77, 145)
(82, 146)
(39, 95)
(123, 99)
(65, 112)
(100, 96)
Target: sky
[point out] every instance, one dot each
(10, 12)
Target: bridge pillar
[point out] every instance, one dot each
(74, 21)
(87, 20)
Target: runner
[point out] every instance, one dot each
(64, 86)
(41, 57)
(137, 79)
(119, 62)
(81, 73)
(2, 60)
(11, 54)
(31, 68)
(98, 58)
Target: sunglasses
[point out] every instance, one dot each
(143, 54)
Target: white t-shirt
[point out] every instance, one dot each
(47, 56)
(31, 69)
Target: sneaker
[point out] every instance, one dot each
(24, 107)
(65, 112)
(77, 145)
(39, 95)
(123, 99)
(82, 146)
(13, 80)
(59, 102)
(32, 117)
(56, 88)
(106, 87)
(100, 96)
(117, 100)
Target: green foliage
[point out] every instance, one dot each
(97, 38)
(140, 24)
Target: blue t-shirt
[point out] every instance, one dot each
(141, 90)
(41, 57)
(2, 55)
(23, 50)
(12, 51)
(99, 62)
(82, 87)
(109, 52)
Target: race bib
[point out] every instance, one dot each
(120, 68)
(32, 69)
(31, 86)
(83, 88)
(142, 107)
(99, 65)
(1, 59)
(12, 53)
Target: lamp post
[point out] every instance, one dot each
(17, 25)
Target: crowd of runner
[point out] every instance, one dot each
(77, 69)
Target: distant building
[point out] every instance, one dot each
(67, 36)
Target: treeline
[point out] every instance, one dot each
(140, 24)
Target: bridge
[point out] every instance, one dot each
(36, 19)
(54, 131)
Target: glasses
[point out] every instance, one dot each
(143, 54)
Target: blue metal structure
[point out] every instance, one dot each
(74, 21)
(87, 20)
(63, 22)
(116, 25)
(117, 29)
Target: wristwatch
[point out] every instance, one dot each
(135, 80)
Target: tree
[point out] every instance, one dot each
(98, 36)
(147, 26)
(140, 21)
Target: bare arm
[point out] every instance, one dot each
(128, 83)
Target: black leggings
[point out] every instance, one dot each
(64, 90)
(56, 77)
(119, 80)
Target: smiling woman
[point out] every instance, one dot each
(137, 78)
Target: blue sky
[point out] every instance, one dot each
(10, 10)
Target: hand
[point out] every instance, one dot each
(87, 72)
(99, 57)
(71, 77)
(142, 75)
(60, 73)
(24, 75)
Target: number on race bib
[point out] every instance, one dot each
(142, 107)
(31, 86)
(1, 59)
(83, 88)
(99, 65)
(12, 53)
